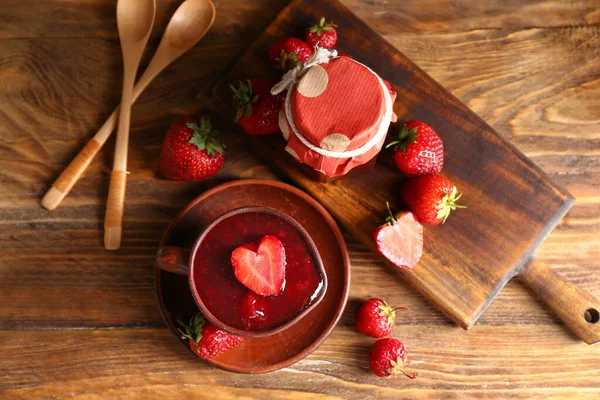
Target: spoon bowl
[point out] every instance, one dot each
(135, 19)
(190, 22)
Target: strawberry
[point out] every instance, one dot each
(322, 34)
(287, 52)
(418, 149)
(388, 357)
(260, 267)
(400, 239)
(257, 109)
(206, 340)
(376, 318)
(252, 310)
(190, 150)
(431, 198)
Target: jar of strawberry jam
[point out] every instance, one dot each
(336, 113)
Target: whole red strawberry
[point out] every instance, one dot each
(191, 151)
(257, 109)
(376, 318)
(322, 34)
(400, 239)
(287, 52)
(388, 357)
(430, 198)
(418, 149)
(206, 340)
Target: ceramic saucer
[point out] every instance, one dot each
(258, 355)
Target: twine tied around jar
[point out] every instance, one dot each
(319, 56)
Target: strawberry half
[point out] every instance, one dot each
(260, 267)
(400, 240)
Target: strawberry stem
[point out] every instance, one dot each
(400, 309)
(398, 368)
(390, 219)
(410, 375)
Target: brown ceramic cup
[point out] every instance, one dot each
(181, 261)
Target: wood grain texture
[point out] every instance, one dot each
(137, 360)
(512, 204)
(76, 320)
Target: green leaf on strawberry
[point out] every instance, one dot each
(257, 110)
(204, 138)
(286, 59)
(322, 26)
(243, 97)
(206, 340)
(405, 136)
(193, 330)
(448, 204)
(322, 34)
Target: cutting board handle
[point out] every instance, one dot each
(578, 309)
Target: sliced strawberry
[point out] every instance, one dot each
(260, 268)
(400, 240)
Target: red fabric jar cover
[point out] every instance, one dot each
(341, 111)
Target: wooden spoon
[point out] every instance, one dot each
(134, 20)
(188, 25)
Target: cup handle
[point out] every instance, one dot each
(173, 259)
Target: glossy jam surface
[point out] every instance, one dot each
(234, 304)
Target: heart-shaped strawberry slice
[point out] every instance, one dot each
(401, 240)
(260, 267)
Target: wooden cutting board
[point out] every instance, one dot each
(512, 204)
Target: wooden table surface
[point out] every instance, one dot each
(79, 321)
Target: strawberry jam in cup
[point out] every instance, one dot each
(223, 299)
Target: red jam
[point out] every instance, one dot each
(234, 304)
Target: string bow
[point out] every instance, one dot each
(319, 56)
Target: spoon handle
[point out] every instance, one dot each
(113, 221)
(70, 175)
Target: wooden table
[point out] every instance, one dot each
(79, 321)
